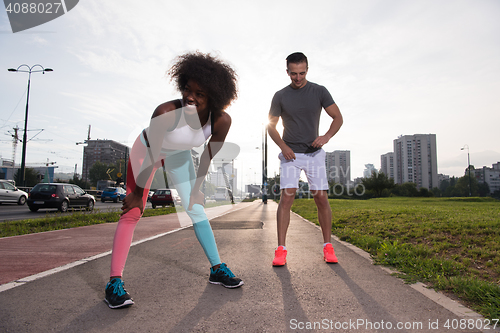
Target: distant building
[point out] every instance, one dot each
(338, 166)
(216, 177)
(369, 170)
(104, 151)
(8, 170)
(490, 176)
(358, 180)
(416, 160)
(387, 164)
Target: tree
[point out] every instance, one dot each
(405, 190)
(102, 171)
(377, 183)
(483, 189)
(444, 185)
(462, 186)
(273, 187)
(424, 192)
(436, 192)
(79, 181)
(31, 177)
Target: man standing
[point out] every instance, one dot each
(300, 105)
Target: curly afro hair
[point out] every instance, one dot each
(211, 73)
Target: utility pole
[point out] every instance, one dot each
(25, 138)
(85, 164)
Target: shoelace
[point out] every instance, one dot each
(118, 288)
(226, 270)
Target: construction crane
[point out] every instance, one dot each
(42, 163)
(15, 140)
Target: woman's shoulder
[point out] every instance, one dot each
(223, 118)
(222, 123)
(167, 107)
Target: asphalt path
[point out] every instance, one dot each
(167, 276)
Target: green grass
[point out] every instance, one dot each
(451, 244)
(60, 221)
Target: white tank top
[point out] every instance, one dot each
(183, 136)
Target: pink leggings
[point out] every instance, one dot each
(181, 174)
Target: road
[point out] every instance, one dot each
(13, 212)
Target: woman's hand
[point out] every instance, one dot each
(197, 197)
(132, 200)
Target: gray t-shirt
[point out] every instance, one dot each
(300, 110)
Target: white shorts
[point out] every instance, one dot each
(313, 165)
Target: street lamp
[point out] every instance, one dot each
(264, 164)
(29, 70)
(468, 162)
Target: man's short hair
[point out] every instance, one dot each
(296, 58)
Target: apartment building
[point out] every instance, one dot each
(387, 164)
(338, 166)
(415, 158)
(105, 151)
(491, 176)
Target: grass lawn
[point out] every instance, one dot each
(451, 244)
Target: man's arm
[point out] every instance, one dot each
(334, 112)
(273, 133)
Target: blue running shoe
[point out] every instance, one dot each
(225, 277)
(116, 295)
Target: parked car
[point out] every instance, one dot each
(150, 194)
(60, 196)
(10, 193)
(114, 194)
(176, 197)
(162, 197)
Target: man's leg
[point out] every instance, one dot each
(283, 215)
(325, 221)
(316, 175)
(289, 182)
(283, 220)
(324, 214)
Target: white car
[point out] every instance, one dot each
(176, 197)
(10, 193)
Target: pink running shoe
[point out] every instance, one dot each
(329, 254)
(279, 256)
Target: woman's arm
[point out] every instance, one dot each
(220, 130)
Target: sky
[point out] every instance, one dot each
(394, 67)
